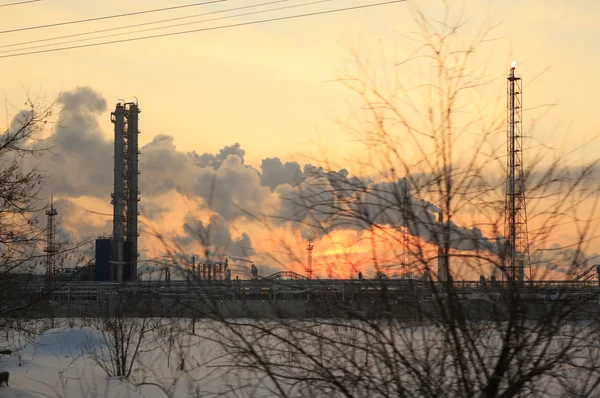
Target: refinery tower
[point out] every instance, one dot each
(117, 256)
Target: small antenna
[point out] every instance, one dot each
(309, 266)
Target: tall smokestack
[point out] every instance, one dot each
(132, 186)
(118, 195)
(442, 257)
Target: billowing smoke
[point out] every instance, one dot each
(153, 210)
(315, 200)
(215, 236)
(275, 173)
(163, 168)
(214, 161)
(80, 159)
(79, 223)
(333, 201)
(233, 190)
(570, 261)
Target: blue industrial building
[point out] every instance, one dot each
(105, 269)
(103, 259)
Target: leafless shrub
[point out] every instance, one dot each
(433, 148)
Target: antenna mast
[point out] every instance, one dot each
(309, 264)
(50, 248)
(515, 214)
(405, 272)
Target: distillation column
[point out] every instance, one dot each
(132, 186)
(118, 196)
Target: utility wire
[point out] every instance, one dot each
(208, 29)
(108, 16)
(140, 24)
(170, 26)
(19, 2)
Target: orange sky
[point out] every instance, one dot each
(269, 86)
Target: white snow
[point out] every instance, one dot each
(9, 392)
(61, 344)
(57, 364)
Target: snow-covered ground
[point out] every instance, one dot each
(58, 364)
(61, 358)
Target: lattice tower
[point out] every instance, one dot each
(515, 214)
(51, 248)
(309, 263)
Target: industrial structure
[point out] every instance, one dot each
(211, 270)
(516, 257)
(210, 280)
(309, 261)
(405, 272)
(51, 248)
(117, 256)
(442, 265)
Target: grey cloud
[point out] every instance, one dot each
(214, 161)
(74, 220)
(315, 200)
(215, 236)
(313, 207)
(570, 261)
(383, 203)
(80, 162)
(163, 167)
(321, 205)
(152, 210)
(232, 190)
(275, 173)
(344, 185)
(225, 184)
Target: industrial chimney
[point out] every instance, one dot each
(442, 270)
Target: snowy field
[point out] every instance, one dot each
(59, 363)
(70, 358)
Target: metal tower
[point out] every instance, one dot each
(405, 272)
(133, 192)
(515, 214)
(309, 264)
(126, 195)
(118, 196)
(51, 248)
(442, 243)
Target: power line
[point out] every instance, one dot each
(140, 24)
(19, 2)
(207, 29)
(108, 16)
(171, 26)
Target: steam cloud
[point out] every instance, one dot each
(316, 201)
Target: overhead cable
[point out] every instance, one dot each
(108, 16)
(141, 24)
(170, 26)
(288, 17)
(16, 3)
